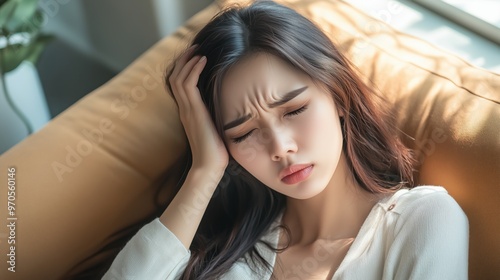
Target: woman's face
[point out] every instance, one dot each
(277, 121)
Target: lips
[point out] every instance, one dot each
(295, 173)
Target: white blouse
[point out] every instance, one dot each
(421, 233)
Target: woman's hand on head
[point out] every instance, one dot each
(208, 150)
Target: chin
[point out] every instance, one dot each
(304, 191)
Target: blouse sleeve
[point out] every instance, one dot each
(431, 240)
(153, 253)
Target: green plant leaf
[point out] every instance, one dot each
(6, 13)
(15, 13)
(33, 25)
(13, 55)
(38, 46)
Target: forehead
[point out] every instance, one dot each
(259, 78)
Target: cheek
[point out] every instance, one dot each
(319, 126)
(244, 153)
(252, 158)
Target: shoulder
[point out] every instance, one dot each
(427, 235)
(425, 206)
(409, 194)
(406, 199)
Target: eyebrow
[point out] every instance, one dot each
(286, 97)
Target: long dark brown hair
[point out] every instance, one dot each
(243, 209)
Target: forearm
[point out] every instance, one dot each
(183, 215)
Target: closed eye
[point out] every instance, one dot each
(298, 111)
(293, 113)
(242, 138)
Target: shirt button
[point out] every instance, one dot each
(392, 206)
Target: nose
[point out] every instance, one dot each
(282, 144)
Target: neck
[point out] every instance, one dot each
(338, 212)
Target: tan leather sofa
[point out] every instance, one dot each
(108, 164)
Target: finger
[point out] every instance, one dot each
(178, 65)
(183, 89)
(176, 81)
(192, 82)
(181, 61)
(186, 70)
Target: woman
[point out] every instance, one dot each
(294, 173)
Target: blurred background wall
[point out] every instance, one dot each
(96, 39)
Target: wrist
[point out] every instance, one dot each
(204, 171)
(204, 177)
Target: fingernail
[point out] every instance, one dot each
(203, 58)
